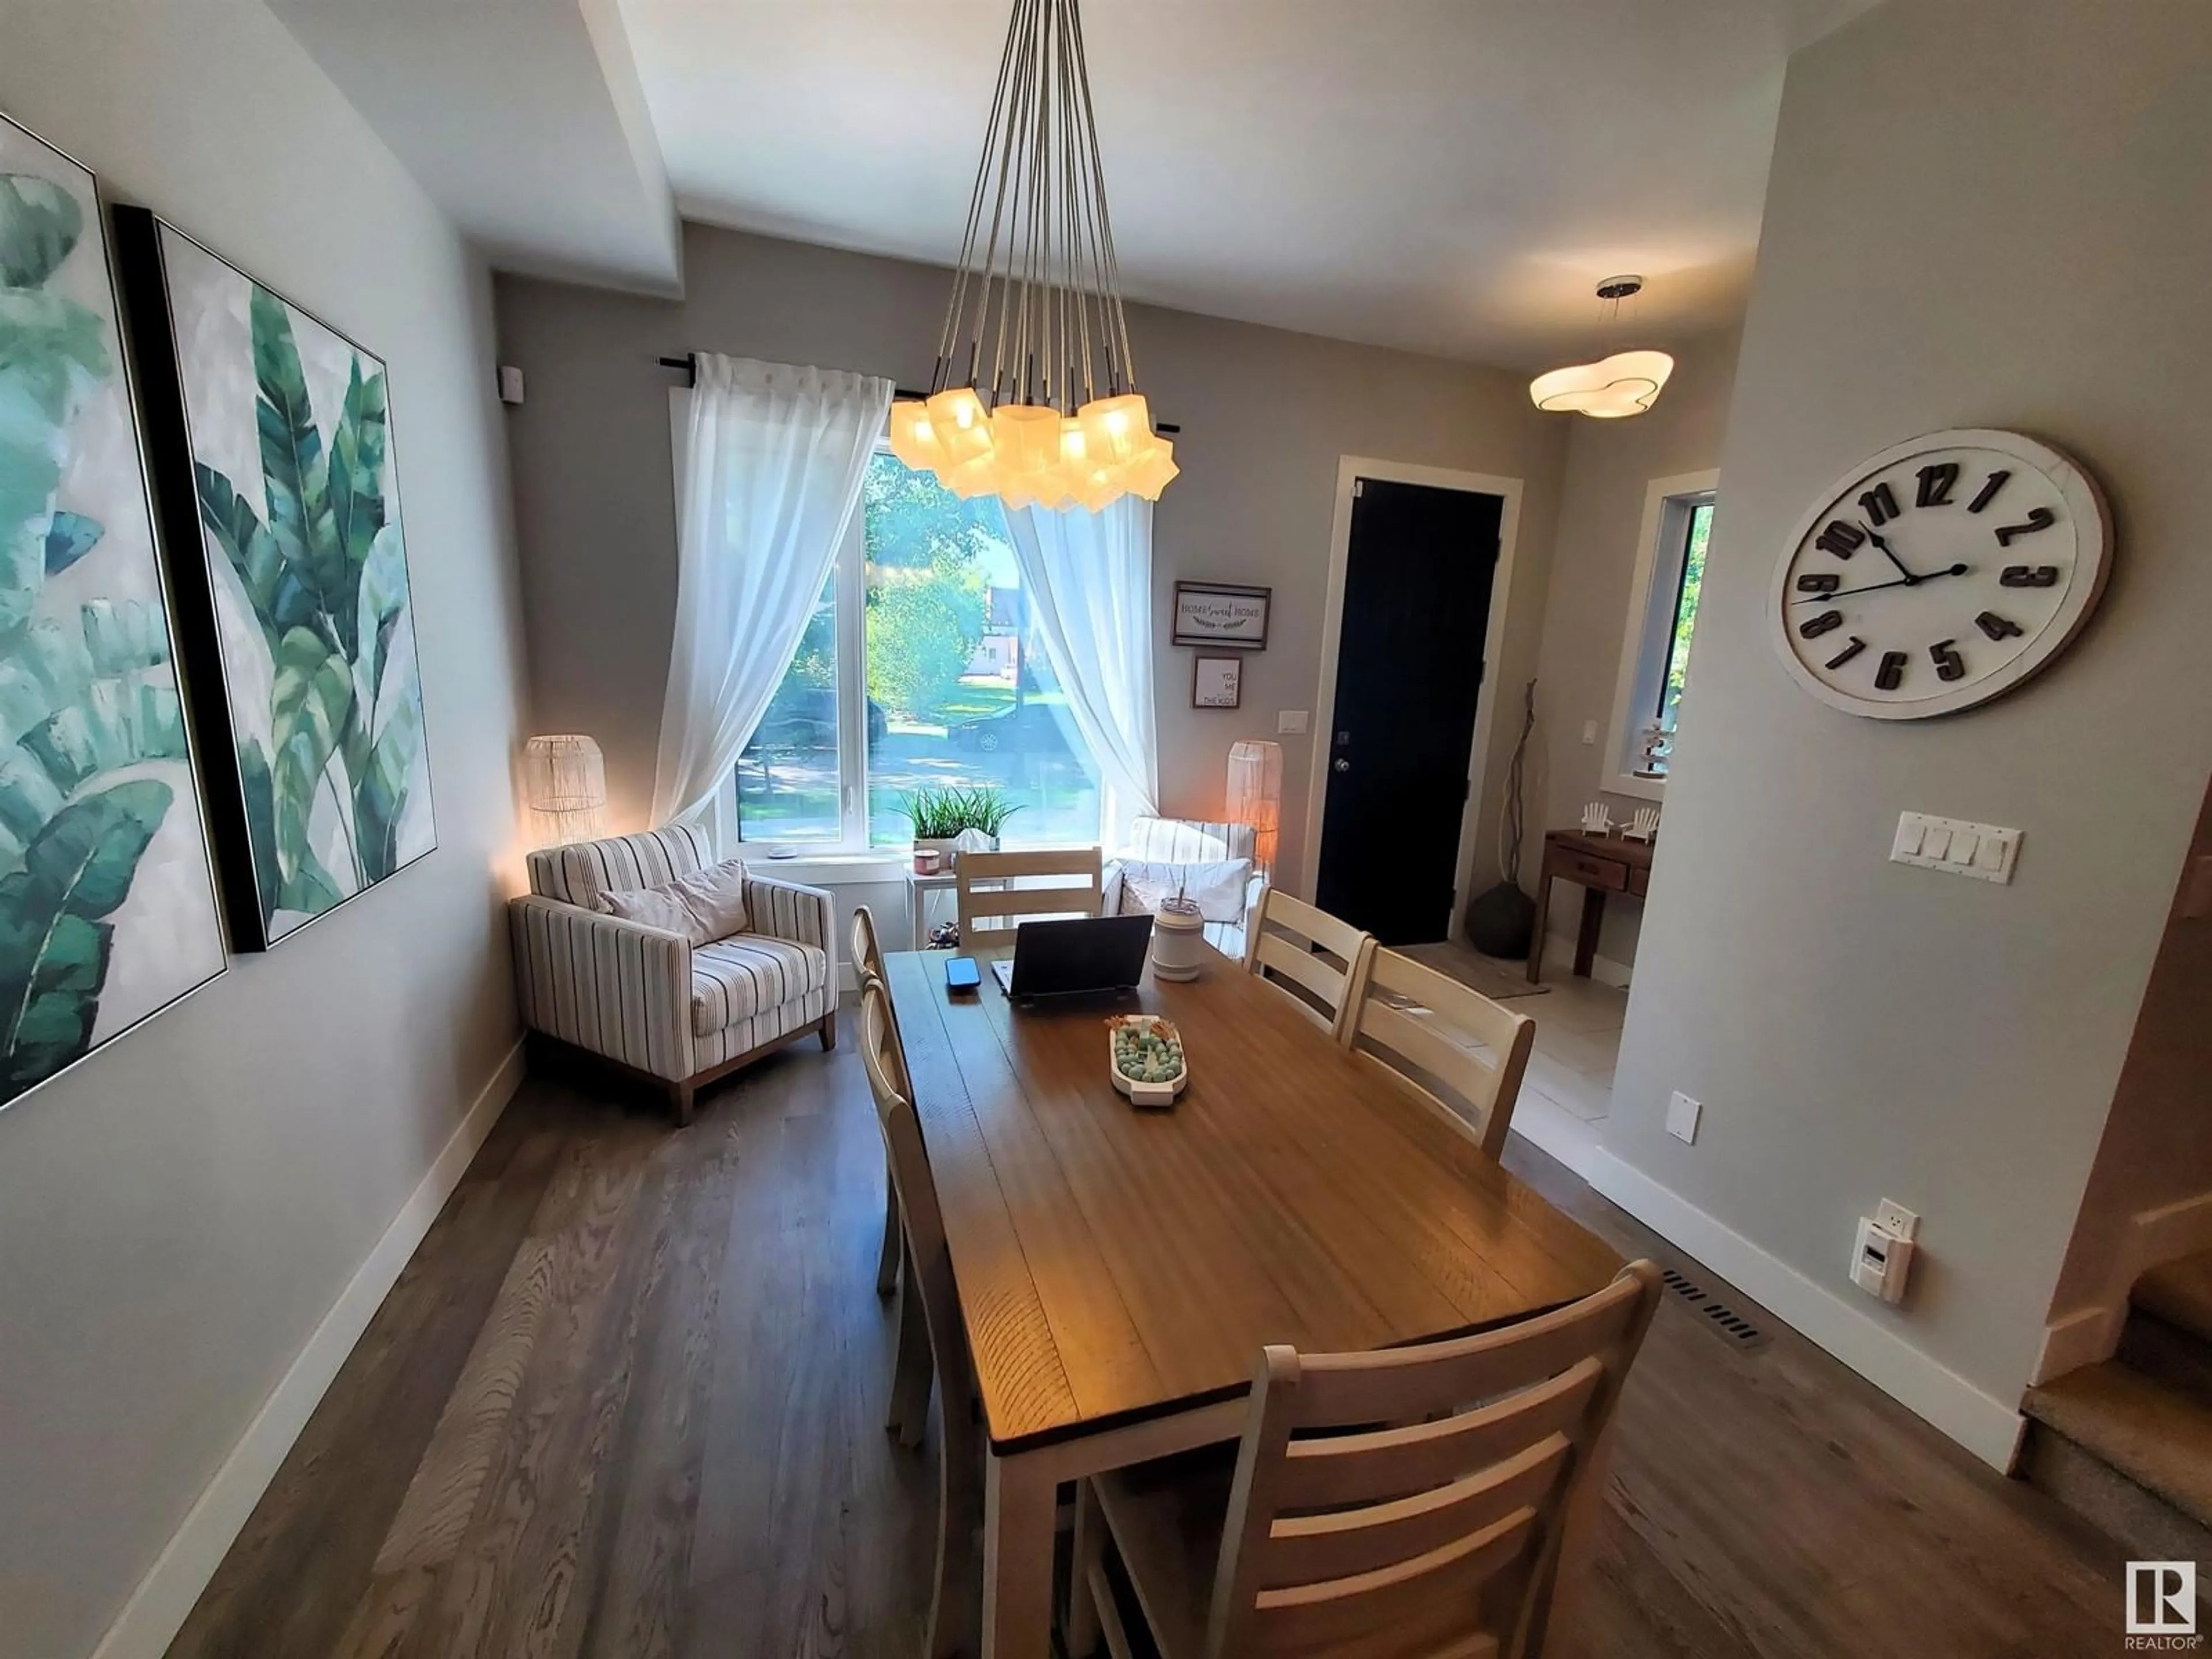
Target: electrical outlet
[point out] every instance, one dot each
(1682, 1115)
(1589, 732)
(1288, 720)
(1893, 1217)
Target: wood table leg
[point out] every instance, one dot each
(917, 912)
(1017, 1537)
(1586, 939)
(1536, 938)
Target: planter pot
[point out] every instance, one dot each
(949, 847)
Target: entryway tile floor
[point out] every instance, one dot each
(1579, 1024)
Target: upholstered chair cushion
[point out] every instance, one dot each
(734, 979)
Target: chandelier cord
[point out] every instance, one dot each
(948, 338)
(1047, 412)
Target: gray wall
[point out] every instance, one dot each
(1610, 468)
(2157, 1145)
(178, 1214)
(1979, 212)
(1264, 414)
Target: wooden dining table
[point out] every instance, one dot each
(1119, 1270)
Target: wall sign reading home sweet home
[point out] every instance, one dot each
(1219, 614)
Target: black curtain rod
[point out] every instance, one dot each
(690, 369)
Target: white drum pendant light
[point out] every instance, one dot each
(1035, 397)
(1626, 383)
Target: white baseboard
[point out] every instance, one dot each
(1560, 947)
(2091, 1333)
(1984, 1424)
(158, 1608)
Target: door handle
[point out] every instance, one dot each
(1341, 765)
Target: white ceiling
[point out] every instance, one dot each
(523, 118)
(1450, 176)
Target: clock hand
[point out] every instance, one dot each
(1887, 552)
(1875, 587)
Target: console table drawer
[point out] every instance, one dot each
(1584, 867)
(1639, 882)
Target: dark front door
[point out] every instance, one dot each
(1409, 672)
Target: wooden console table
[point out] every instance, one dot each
(1602, 864)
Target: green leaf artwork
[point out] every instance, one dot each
(92, 747)
(310, 563)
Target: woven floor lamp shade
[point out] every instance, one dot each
(565, 782)
(1255, 795)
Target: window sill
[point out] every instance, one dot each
(1628, 783)
(827, 869)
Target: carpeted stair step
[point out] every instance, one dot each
(2158, 1438)
(2179, 1293)
(2166, 1354)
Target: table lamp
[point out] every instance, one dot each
(1255, 795)
(565, 782)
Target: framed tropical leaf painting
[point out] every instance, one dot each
(108, 902)
(273, 457)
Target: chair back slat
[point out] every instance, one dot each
(929, 1259)
(1438, 1532)
(988, 885)
(867, 948)
(1381, 1386)
(868, 965)
(1376, 1465)
(1448, 1045)
(1284, 944)
(1308, 1548)
(1409, 1608)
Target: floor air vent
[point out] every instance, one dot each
(1723, 1319)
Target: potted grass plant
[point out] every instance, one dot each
(942, 817)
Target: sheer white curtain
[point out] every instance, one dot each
(1088, 579)
(771, 470)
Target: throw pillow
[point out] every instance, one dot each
(656, 907)
(704, 906)
(716, 896)
(1218, 887)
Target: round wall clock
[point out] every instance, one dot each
(1941, 573)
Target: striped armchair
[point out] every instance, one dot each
(649, 1000)
(1189, 841)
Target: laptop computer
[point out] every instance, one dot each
(1071, 957)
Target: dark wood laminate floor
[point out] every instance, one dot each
(627, 1400)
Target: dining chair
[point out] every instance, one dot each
(1285, 948)
(988, 888)
(868, 963)
(1434, 1535)
(1443, 1042)
(929, 1283)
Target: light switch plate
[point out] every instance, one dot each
(1682, 1115)
(1288, 720)
(1980, 850)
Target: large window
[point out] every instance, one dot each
(918, 669)
(1663, 619)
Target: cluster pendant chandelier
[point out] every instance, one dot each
(1034, 399)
